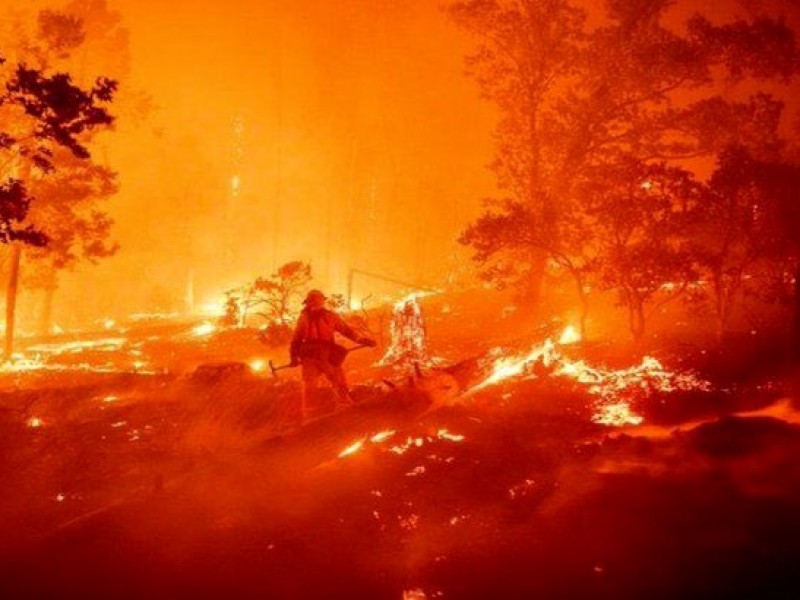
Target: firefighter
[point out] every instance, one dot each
(314, 349)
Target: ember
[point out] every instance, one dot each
(258, 365)
(381, 436)
(352, 448)
(204, 329)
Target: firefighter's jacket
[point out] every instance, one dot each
(318, 327)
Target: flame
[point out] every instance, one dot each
(35, 422)
(507, 367)
(24, 364)
(612, 387)
(409, 343)
(617, 414)
(214, 308)
(410, 442)
(570, 335)
(352, 448)
(77, 347)
(204, 329)
(443, 434)
(258, 365)
(382, 436)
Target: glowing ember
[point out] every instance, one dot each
(411, 442)
(34, 422)
(522, 489)
(352, 448)
(418, 470)
(618, 415)
(381, 437)
(204, 329)
(76, 347)
(569, 336)
(443, 434)
(110, 399)
(410, 522)
(507, 367)
(258, 365)
(27, 365)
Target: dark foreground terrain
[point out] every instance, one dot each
(161, 485)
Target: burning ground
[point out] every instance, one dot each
(533, 465)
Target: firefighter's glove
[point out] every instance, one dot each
(365, 341)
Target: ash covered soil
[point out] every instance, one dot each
(128, 474)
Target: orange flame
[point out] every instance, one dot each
(607, 384)
(352, 448)
(410, 442)
(409, 343)
(382, 436)
(570, 335)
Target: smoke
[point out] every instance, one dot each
(344, 135)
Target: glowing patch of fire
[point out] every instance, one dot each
(606, 384)
(204, 329)
(381, 437)
(569, 336)
(443, 434)
(409, 343)
(617, 414)
(410, 442)
(352, 448)
(258, 365)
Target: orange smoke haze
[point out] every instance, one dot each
(344, 134)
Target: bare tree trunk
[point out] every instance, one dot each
(46, 321)
(719, 305)
(532, 294)
(636, 319)
(584, 300)
(11, 298)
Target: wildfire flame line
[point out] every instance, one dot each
(410, 442)
(609, 385)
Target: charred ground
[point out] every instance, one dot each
(163, 484)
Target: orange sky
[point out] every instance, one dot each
(361, 145)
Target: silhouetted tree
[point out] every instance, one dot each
(641, 214)
(575, 101)
(68, 208)
(527, 52)
(273, 298)
(285, 287)
(39, 112)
